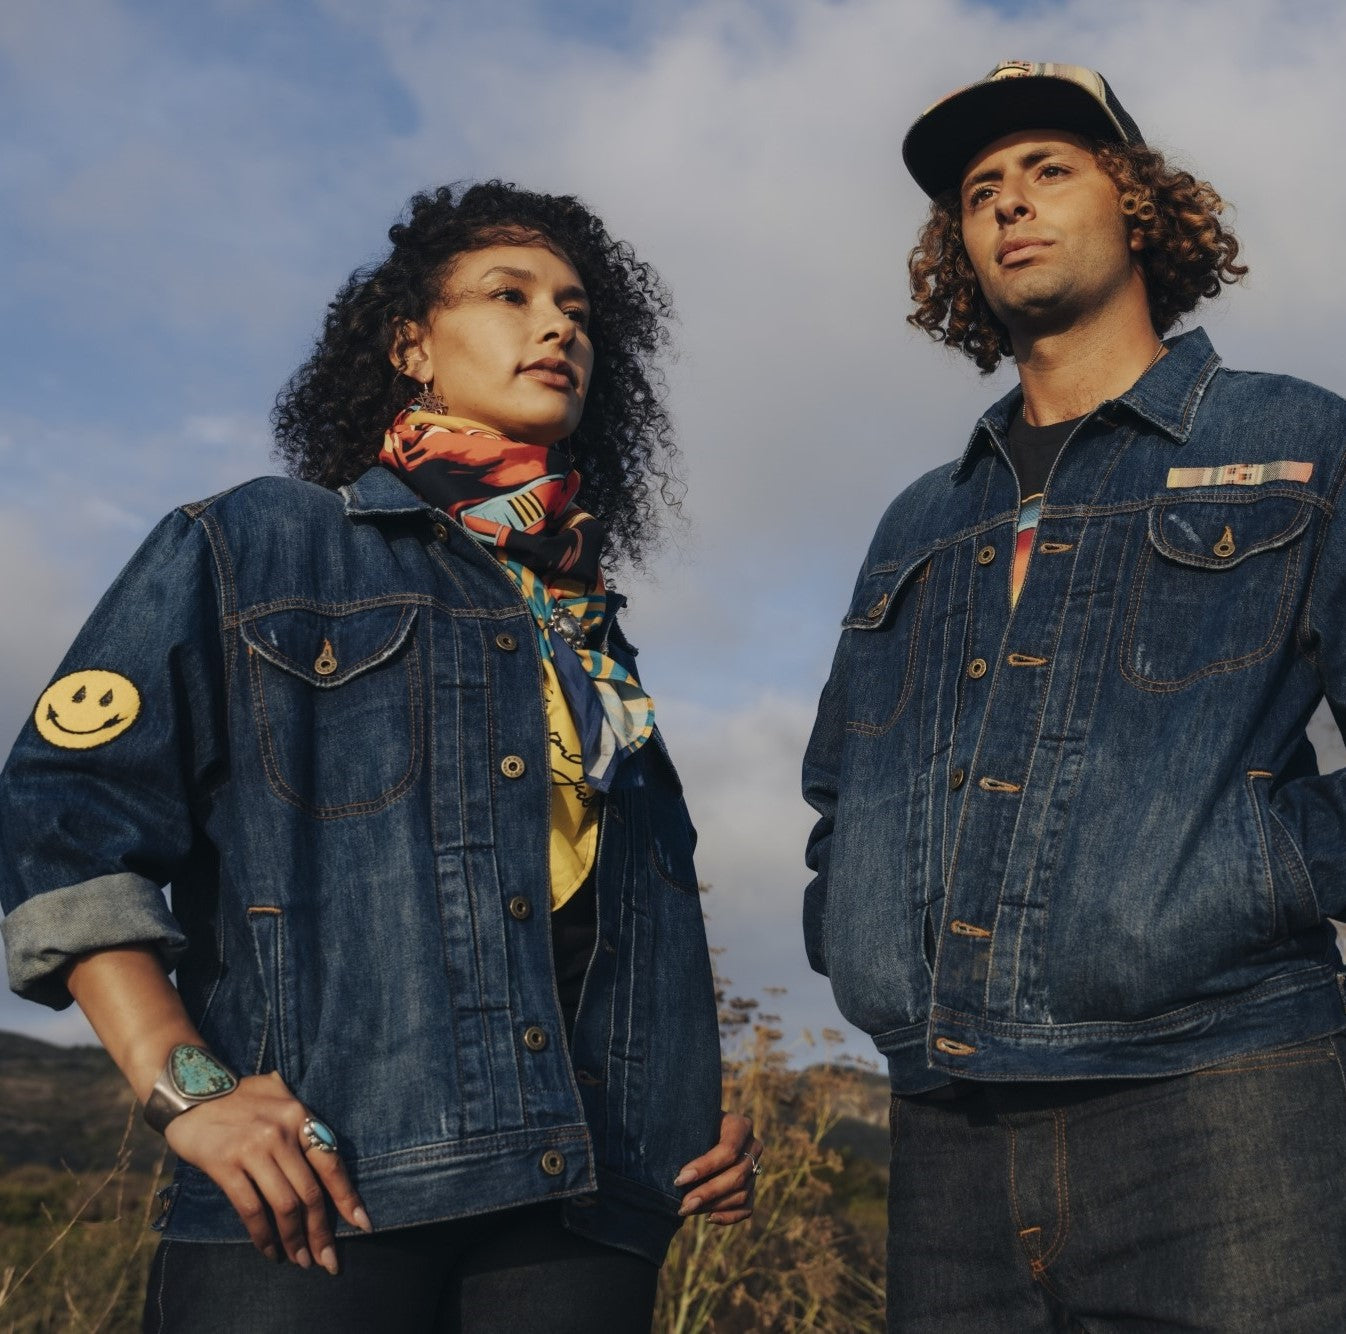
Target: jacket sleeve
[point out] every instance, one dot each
(100, 797)
(822, 769)
(821, 766)
(1313, 809)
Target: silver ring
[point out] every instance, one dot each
(315, 1134)
(756, 1166)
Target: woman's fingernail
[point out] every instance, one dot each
(684, 1177)
(269, 1252)
(328, 1259)
(303, 1259)
(362, 1219)
(691, 1203)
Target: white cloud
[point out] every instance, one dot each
(40, 613)
(186, 203)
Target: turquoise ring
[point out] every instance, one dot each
(317, 1135)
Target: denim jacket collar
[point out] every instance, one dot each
(378, 493)
(1166, 396)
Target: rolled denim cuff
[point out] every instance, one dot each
(45, 932)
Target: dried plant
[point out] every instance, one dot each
(800, 1263)
(84, 1271)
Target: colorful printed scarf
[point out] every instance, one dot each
(519, 500)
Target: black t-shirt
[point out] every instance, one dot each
(1033, 450)
(574, 932)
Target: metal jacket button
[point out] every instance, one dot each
(976, 669)
(986, 555)
(534, 1038)
(441, 532)
(520, 909)
(956, 780)
(553, 1163)
(877, 609)
(512, 766)
(506, 642)
(326, 662)
(1225, 546)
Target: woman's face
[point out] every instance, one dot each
(508, 346)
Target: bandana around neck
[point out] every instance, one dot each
(518, 500)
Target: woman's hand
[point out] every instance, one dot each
(722, 1182)
(249, 1143)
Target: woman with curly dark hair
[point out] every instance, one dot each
(440, 964)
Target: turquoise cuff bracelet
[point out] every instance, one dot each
(189, 1077)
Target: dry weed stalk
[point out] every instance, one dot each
(91, 1268)
(796, 1265)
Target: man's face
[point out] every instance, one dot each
(1044, 232)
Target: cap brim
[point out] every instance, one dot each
(940, 145)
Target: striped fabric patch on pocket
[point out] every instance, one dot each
(1240, 474)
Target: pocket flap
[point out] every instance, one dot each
(880, 591)
(327, 649)
(1217, 534)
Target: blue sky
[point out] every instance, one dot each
(183, 187)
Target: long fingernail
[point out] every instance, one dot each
(270, 1253)
(362, 1219)
(684, 1177)
(328, 1259)
(689, 1204)
(303, 1259)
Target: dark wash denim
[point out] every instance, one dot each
(517, 1272)
(1087, 838)
(359, 862)
(1212, 1201)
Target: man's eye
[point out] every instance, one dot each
(979, 196)
(1053, 169)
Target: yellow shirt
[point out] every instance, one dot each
(574, 805)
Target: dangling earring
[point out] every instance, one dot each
(427, 400)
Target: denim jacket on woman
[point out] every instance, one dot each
(340, 762)
(1087, 837)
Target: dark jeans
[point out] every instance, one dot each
(1212, 1201)
(510, 1272)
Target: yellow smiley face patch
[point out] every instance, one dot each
(86, 709)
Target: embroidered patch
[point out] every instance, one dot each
(86, 709)
(1240, 474)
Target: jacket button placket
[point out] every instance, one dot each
(973, 913)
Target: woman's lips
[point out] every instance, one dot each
(553, 374)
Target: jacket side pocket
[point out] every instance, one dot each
(1291, 903)
(276, 1044)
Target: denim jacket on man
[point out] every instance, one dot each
(1087, 837)
(337, 753)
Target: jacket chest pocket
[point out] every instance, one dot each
(337, 702)
(1214, 589)
(884, 628)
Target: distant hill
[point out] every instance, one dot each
(66, 1107)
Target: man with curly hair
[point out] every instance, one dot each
(1074, 858)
